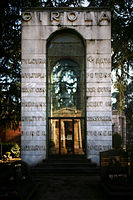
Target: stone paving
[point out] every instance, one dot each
(72, 188)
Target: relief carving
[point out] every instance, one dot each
(72, 16)
(26, 16)
(104, 19)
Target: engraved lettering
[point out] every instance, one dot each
(99, 133)
(99, 60)
(33, 133)
(72, 16)
(33, 104)
(55, 16)
(33, 61)
(32, 118)
(33, 75)
(99, 147)
(99, 118)
(99, 75)
(95, 104)
(30, 90)
(33, 148)
(87, 18)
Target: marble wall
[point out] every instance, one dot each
(95, 28)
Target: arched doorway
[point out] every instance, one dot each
(66, 94)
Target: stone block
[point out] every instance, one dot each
(99, 104)
(97, 61)
(33, 118)
(98, 75)
(33, 131)
(37, 18)
(99, 133)
(33, 89)
(32, 159)
(101, 118)
(31, 32)
(98, 46)
(96, 90)
(34, 46)
(94, 147)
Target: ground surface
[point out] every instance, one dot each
(70, 188)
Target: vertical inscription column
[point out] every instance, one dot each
(33, 92)
(98, 88)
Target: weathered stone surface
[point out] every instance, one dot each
(98, 46)
(97, 61)
(99, 104)
(37, 28)
(102, 90)
(34, 46)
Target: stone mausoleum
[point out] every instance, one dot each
(66, 107)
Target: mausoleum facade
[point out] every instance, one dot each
(66, 83)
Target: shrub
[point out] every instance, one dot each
(15, 150)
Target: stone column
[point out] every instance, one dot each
(33, 94)
(98, 88)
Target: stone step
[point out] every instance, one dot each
(65, 167)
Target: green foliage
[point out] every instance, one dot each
(15, 150)
(116, 141)
(11, 148)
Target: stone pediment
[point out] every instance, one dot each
(67, 112)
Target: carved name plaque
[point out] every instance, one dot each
(99, 147)
(33, 61)
(33, 118)
(99, 104)
(33, 75)
(99, 118)
(33, 104)
(33, 148)
(31, 90)
(99, 133)
(33, 133)
(76, 16)
(99, 89)
(99, 60)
